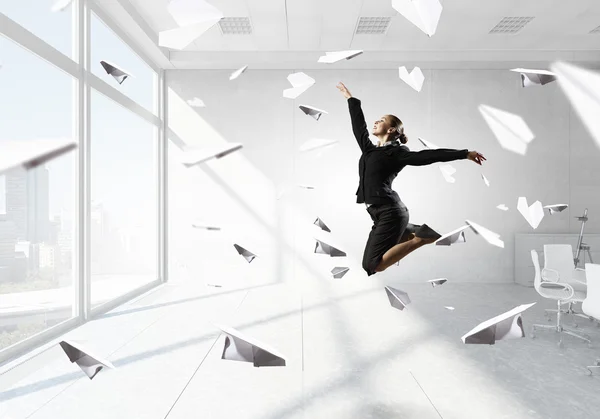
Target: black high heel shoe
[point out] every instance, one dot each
(427, 233)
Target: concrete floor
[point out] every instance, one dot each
(349, 355)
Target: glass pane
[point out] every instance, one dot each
(36, 206)
(37, 17)
(106, 46)
(124, 229)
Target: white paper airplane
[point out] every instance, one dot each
(424, 14)
(455, 236)
(311, 111)
(488, 235)
(333, 57)
(427, 144)
(398, 299)
(512, 132)
(531, 77)
(502, 207)
(239, 347)
(194, 17)
(196, 103)
(533, 214)
(248, 255)
(438, 281)
(194, 155)
(30, 154)
(487, 182)
(300, 82)
(415, 79)
(116, 72)
(506, 326)
(316, 143)
(61, 5)
(582, 88)
(555, 208)
(339, 272)
(203, 226)
(237, 73)
(326, 249)
(89, 364)
(318, 222)
(447, 171)
(449, 308)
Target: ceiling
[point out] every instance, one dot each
(291, 28)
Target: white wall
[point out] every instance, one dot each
(239, 191)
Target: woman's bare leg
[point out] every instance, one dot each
(401, 250)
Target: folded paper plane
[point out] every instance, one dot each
(333, 57)
(30, 154)
(89, 363)
(310, 111)
(239, 347)
(424, 14)
(321, 225)
(61, 5)
(206, 227)
(326, 249)
(398, 299)
(511, 130)
(300, 83)
(427, 144)
(339, 272)
(447, 171)
(531, 77)
(553, 209)
(582, 88)
(194, 156)
(488, 235)
(455, 236)
(194, 17)
(502, 207)
(506, 326)
(113, 70)
(533, 214)
(317, 143)
(485, 180)
(414, 79)
(438, 281)
(237, 73)
(248, 255)
(196, 103)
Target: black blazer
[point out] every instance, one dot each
(379, 166)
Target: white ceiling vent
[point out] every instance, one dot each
(372, 25)
(511, 24)
(235, 26)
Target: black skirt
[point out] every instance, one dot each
(390, 226)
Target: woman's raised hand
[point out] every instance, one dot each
(344, 90)
(476, 157)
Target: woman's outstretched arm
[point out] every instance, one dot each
(404, 157)
(359, 126)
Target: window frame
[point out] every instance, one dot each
(83, 82)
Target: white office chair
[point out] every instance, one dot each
(591, 305)
(561, 292)
(559, 266)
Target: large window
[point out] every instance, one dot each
(124, 219)
(37, 16)
(106, 46)
(36, 206)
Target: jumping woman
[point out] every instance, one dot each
(391, 237)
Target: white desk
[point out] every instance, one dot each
(524, 243)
